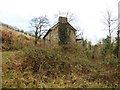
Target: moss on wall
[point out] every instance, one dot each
(62, 32)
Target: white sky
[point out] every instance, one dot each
(89, 13)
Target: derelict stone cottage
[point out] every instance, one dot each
(52, 37)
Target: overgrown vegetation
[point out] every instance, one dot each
(39, 67)
(79, 65)
(15, 41)
(117, 48)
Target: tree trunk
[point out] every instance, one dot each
(36, 35)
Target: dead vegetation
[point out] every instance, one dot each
(74, 66)
(38, 67)
(13, 40)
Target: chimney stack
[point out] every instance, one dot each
(62, 19)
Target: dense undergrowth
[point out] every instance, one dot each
(12, 40)
(39, 67)
(26, 65)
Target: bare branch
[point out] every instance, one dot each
(71, 17)
(38, 24)
(109, 21)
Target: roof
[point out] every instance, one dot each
(56, 25)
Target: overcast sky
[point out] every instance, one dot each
(89, 13)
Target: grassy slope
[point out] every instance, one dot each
(81, 73)
(77, 70)
(16, 33)
(13, 77)
(12, 39)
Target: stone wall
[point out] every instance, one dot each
(52, 39)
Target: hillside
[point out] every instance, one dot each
(36, 67)
(25, 65)
(12, 39)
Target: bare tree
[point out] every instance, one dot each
(39, 24)
(79, 33)
(110, 21)
(71, 17)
